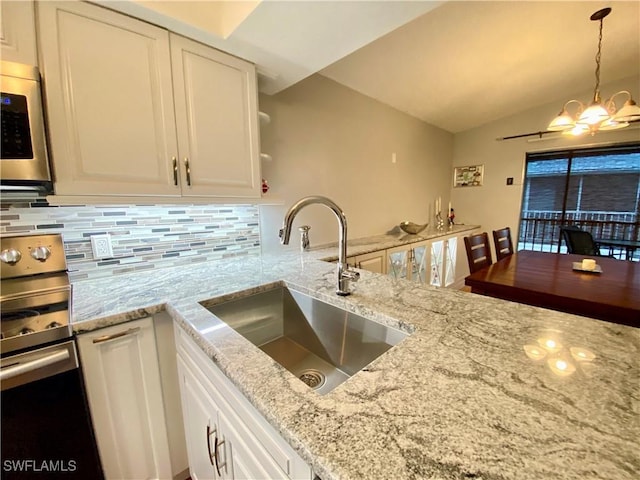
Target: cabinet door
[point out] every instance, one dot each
(437, 263)
(398, 261)
(122, 378)
(217, 116)
(252, 448)
(246, 459)
(451, 256)
(419, 262)
(374, 262)
(18, 32)
(108, 88)
(200, 423)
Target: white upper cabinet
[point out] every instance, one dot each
(18, 32)
(216, 111)
(110, 94)
(108, 90)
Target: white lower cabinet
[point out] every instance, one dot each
(124, 389)
(409, 261)
(440, 262)
(226, 437)
(200, 416)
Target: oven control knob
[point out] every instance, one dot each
(40, 253)
(10, 256)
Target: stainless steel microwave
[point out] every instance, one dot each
(24, 163)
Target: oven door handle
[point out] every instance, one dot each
(30, 366)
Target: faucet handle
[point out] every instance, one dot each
(282, 234)
(351, 275)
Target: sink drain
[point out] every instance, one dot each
(313, 378)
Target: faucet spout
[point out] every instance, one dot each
(344, 274)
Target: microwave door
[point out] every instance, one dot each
(23, 153)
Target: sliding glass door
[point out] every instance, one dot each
(596, 189)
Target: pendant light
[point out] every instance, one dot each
(598, 115)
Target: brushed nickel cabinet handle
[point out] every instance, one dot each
(106, 338)
(209, 433)
(217, 444)
(188, 170)
(175, 171)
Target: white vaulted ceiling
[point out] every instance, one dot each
(467, 63)
(455, 64)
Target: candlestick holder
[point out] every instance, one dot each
(450, 218)
(439, 222)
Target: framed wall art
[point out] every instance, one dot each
(469, 176)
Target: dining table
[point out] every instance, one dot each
(556, 281)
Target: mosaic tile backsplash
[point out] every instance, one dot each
(144, 237)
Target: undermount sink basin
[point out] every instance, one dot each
(321, 344)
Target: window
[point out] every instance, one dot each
(596, 189)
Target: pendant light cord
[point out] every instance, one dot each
(596, 92)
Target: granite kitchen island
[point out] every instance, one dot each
(461, 397)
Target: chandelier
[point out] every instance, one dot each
(598, 115)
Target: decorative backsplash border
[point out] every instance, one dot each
(144, 237)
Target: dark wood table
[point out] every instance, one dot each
(548, 280)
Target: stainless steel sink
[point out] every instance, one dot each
(321, 344)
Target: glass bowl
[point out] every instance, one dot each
(412, 228)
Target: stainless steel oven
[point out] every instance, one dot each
(23, 151)
(46, 424)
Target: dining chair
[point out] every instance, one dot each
(478, 251)
(502, 242)
(579, 241)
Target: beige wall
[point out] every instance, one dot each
(495, 204)
(326, 139)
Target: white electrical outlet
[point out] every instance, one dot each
(101, 246)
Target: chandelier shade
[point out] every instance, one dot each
(598, 115)
(630, 112)
(594, 115)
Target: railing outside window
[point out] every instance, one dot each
(540, 230)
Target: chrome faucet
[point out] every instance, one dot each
(344, 274)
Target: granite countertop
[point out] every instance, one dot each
(458, 398)
(395, 238)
